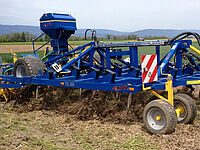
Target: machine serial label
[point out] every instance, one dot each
(56, 67)
(193, 82)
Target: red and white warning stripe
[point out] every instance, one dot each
(149, 68)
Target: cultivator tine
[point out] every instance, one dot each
(80, 95)
(117, 95)
(128, 103)
(37, 92)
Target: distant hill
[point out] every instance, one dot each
(101, 32)
(6, 29)
(35, 30)
(162, 32)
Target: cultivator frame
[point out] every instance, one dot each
(101, 66)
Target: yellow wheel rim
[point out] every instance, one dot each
(181, 109)
(158, 117)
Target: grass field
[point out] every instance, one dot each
(70, 42)
(7, 57)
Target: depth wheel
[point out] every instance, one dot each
(159, 117)
(186, 107)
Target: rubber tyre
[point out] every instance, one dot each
(189, 105)
(30, 66)
(168, 121)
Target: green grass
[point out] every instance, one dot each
(35, 143)
(41, 43)
(22, 43)
(135, 143)
(20, 126)
(70, 42)
(8, 58)
(145, 50)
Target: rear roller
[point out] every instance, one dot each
(159, 117)
(185, 107)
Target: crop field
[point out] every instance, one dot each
(26, 48)
(59, 120)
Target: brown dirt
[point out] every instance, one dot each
(59, 119)
(20, 48)
(16, 48)
(93, 105)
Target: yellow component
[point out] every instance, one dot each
(94, 62)
(193, 82)
(66, 72)
(147, 88)
(1, 78)
(131, 89)
(14, 55)
(78, 54)
(158, 95)
(194, 49)
(159, 118)
(57, 21)
(3, 93)
(45, 51)
(62, 83)
(163, 73)
(169, 87)
(180, 110)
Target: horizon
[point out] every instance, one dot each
(105, 28)
(126, 16)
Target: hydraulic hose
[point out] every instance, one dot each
(7, 71)
(184, 35)
(93, 34)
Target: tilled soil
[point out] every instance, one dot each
(17, 48)
(59, 119)
(20, 48)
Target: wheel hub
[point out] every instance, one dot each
(180, 110)
(156, 118)
(21, 71)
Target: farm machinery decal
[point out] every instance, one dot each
(117, 88)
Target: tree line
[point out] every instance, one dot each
(27, 37)
(22, 37)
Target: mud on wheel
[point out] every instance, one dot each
(159, 117)
(28, 66)
(186, 107)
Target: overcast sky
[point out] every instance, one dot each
(121, 15)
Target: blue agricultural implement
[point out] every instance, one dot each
(101, 66)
